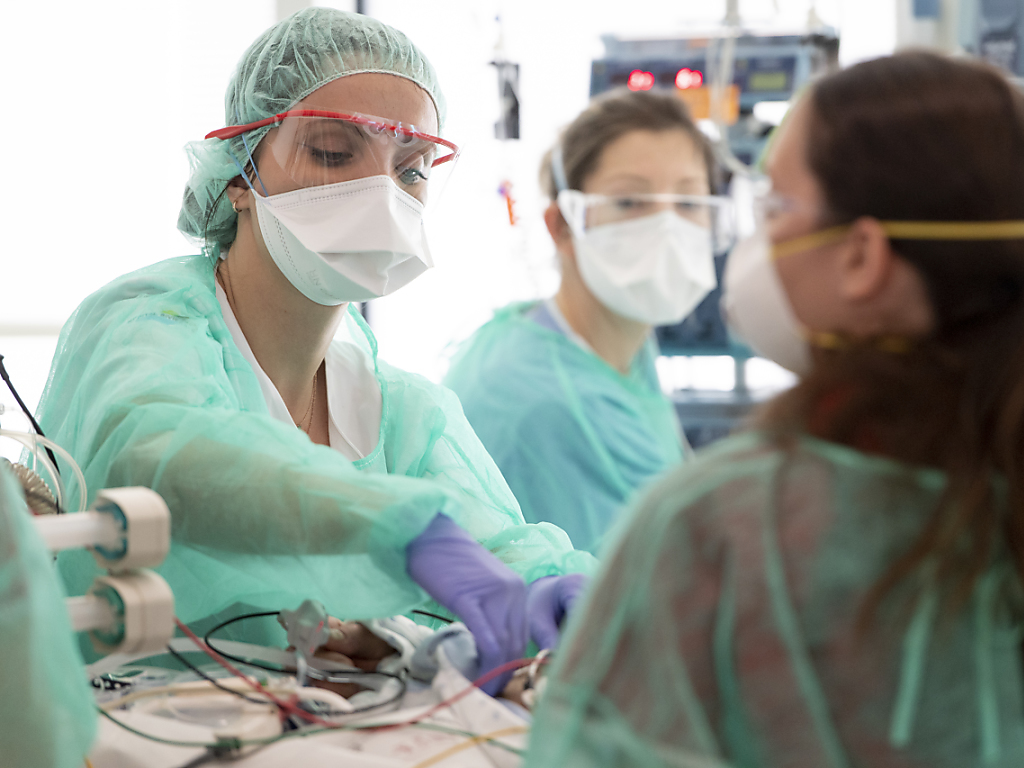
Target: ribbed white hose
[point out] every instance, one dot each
(41, 458)
(32, 442)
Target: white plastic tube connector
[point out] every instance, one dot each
(127, 528)
(143, 606)
(78, 530)
(146, 528)
(90, 612)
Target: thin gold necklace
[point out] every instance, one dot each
(229, 293)
(309, 411)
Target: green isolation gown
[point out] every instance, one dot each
(721, 628)
(148, 388)
(573, 437)
(47, 718)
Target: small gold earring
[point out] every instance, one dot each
(234, 206)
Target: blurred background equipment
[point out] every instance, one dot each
(992, 30)
(767, 68)
(507, 126)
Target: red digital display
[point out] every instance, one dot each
(689, 78)
(640, 80)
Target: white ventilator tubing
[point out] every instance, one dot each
(128, 528)
(32, 441)
(40, 457)
(126, 613)
(144, 612)
(90, 612)
(131, 609)
(146, 523)
(78, 530)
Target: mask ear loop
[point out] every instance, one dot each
(561, 184)
(252, 162)
(557, 168)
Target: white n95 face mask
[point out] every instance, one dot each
(654, 269)
(757, 308)
(351, 241)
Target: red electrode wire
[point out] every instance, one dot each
(285, 706)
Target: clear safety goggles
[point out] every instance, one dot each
(769, 204)
(584, 212)
(312, 148)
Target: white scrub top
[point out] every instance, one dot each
(353, 394)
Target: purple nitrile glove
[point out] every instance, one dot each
(476, 586)
(548, 601)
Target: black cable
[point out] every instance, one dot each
(207, 757)
(7, 379)
(228, 750)
(348, 676)
(228, 656)
(24, 408)
(430, 615)
(213, 681)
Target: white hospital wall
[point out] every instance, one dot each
(101, 96)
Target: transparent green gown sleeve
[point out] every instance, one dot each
(147, 388)
(720, 629)
(573, 437)
(47, 718)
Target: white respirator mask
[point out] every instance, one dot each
(757, 308)
(349, 241)
(654, 269)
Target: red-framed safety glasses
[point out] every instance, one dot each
(313, 147)
(372, 125)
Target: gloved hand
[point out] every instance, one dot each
(476, 586)
(548, 601)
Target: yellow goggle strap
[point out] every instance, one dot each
(835, 341)
(810, 242)
(909, 230)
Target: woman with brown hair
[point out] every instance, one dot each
(842, 585)
(563, 393)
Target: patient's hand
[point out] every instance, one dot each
(515, 689)
(353, 644)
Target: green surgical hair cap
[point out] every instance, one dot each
(287, 63)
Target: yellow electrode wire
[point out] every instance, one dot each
(472, 742)
(87, 763)
(910, 230)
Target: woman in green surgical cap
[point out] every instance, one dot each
(243, 386)
(563, 392)
(840, 587)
